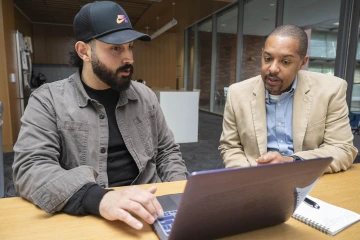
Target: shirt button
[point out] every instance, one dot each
(279, 104)
(102, 150)
(283, 153)
(281, 141)
(279, 123)
(101, 116)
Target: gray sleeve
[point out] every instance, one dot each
(37, 174)
(169, 163)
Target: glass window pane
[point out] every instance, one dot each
(204, 63)
(355, 96)
(226, 56)
(320, 20)
(259, 21)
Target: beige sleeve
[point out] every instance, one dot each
(230, 148)
(338, 138)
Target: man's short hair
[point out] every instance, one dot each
(294, 32)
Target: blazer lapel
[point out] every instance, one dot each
(258, 111)
(301, 111)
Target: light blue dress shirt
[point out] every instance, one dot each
(279, 117)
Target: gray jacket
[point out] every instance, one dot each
(63, 142)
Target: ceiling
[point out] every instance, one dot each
(63, 11)
(143, 14)
(259, 16)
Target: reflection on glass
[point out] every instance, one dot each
(355, 97)
(320, 20)
(190, 77)
(259, 21)
(204, 63)
(226, 55)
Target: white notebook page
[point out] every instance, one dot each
(329, 218)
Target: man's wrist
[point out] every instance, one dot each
(92, 198)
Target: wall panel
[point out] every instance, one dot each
(22, 23)
(51, 43)
(9, 93)
(155, 61)
(4, 93)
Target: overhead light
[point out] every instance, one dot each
(166, 27)
(223, 25)
(272, 4)
(336, 24)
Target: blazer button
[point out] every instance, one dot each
(102, 150)
(101, 116)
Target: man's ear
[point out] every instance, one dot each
(83, 50)
(304, 61)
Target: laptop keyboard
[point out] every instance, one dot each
(167, 221)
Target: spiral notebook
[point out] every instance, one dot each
(327, 218)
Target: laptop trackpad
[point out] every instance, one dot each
(169, 202)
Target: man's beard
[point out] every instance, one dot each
(113, 79)
(273, 89)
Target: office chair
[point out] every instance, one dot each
(2, 181)
(355, 122)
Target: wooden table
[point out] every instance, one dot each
(20, 219)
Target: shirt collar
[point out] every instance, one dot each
(293, 87)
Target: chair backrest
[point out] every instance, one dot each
(354, 119)
(2, 180)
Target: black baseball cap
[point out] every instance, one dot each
(107, 22)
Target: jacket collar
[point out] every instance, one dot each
(83, 98)
(301, 111)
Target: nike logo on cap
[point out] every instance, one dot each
(121, 18)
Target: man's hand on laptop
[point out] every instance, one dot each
(273, 157)
(119, 204)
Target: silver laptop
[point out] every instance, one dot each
(219, 203)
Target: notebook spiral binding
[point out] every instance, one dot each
(312, 223)
(308, 221)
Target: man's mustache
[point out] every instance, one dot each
(273, 76)
(125, 67)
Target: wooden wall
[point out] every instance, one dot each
(155, 61)
(22, 23)
(9, 94)
(51, 43)
(4, 94)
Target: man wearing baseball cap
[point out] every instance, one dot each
(97, 129)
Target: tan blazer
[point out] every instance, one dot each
(320, 121)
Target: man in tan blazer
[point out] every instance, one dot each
(287, 114)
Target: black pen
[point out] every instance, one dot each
(311, 203)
